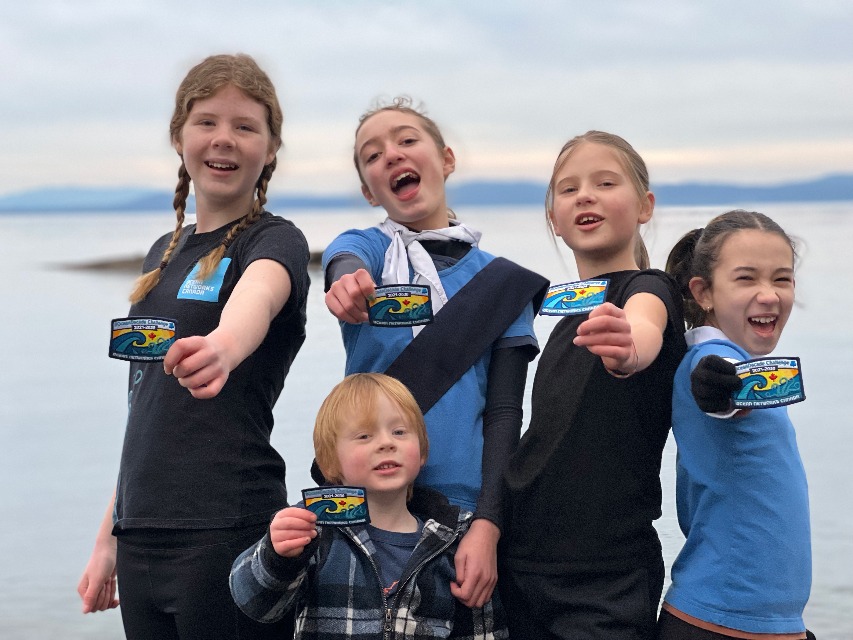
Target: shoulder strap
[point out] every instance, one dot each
(470, 322)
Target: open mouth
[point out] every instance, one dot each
(222, 166)
(763, 324)
(405, 183)
(385, 466)
(587, 219)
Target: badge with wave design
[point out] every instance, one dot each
(573, 298)
(337, 506)
(400, 305)
(141, 339)
(769, 382)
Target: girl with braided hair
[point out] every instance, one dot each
(199, 480)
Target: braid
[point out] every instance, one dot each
(208, 264)
(149, 280)
(203, 81)
(263, 183)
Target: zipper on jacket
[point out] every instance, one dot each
(387, 626)
(423, 562)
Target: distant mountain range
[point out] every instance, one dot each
(480, 192)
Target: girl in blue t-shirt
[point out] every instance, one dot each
(403, 162)
(741, 493)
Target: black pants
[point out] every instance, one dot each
(174, 585)
(672, 628)
(616, 604)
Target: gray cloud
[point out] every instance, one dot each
(725, 90)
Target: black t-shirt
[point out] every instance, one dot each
(187, 463)
(584, 485)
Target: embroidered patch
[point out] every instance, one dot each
(207, 290)
(769, 382)
(337, 506)
(574, 298)
(400, 305)
(141, 339)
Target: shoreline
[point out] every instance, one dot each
(133, 264)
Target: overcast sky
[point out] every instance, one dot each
(749, 91)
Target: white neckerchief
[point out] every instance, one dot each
(697, 335)
(406, 248)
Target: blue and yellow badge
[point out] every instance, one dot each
(574, 298)
(400, 305)
(141, 339)
(338, 506)
(769, 382)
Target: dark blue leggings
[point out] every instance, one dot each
(174, 585)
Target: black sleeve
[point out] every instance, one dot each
(662, 285)
(340, 265)
(501, 424)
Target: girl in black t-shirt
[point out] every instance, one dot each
(580, 557)
(199, 480)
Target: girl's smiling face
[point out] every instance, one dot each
(225, 144)
(404, 169)
(596, 209)
(751, 292)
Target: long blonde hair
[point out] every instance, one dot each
(202, 81)
(633, 164)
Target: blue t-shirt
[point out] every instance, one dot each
(455, 422)
(393, 551)
(743, 506)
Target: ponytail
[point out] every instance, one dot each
(679, 265)
(641, 254)
(697, 253)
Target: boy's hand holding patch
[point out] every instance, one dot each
(291, 530)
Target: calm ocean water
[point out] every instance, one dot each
(62, 401)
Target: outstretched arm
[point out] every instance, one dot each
(347, 295)
(713, 381)
(97, 586)
(627, 340)
(202, 363)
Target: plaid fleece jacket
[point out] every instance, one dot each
(335, 588)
